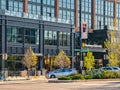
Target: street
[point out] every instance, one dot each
(38, 85)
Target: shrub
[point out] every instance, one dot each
(77, 77)
(88, 77)
(110, 74)
(65, 78)
(97, 76)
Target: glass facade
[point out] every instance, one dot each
(15, 5)
(54, 37)
(104, 10)
(3, 4)
(99, 14)
(15, 35)
(118, 15)
(86, 12)
(34, 7)
(49, 8)
(108, 13)
(66, 10)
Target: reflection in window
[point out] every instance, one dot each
(15, 35)
(15, 5)
(3, 4)
(50, 37)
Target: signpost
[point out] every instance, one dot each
(4, 57)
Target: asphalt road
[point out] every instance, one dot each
(38, 85)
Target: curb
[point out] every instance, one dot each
(19, 81)
(90, 80)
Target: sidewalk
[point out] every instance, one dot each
(16, 80)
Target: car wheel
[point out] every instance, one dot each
(52, 76)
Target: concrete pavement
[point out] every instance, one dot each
(38, 85)
(14, 80)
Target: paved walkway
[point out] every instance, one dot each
(11, 80)
(38, 85)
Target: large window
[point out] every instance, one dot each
(66, 9)
(34, 8)
(3, 4)
(86, 6)
(15, 35)
(109, 8)
(50, 37)
(31, 36)
(64, 39)
(118, 15)
(49, 8)
(14, 5)
(100, 7)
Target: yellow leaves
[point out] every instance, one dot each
(113, 59)
(113, 49)
(30, 59)
(89, 60)
(62, 60)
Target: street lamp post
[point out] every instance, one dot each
(80, 38)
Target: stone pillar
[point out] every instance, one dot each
(93, 9)
(76, 15)
(115, 12)
(25, 6)
(56, 8)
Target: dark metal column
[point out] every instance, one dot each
(41, 43)
(3, 46)
(80, 38)
(72, 46)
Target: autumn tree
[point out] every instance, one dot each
(62, 61)
(89, 61)
(29, 60)
(113, 49)
(49, 62)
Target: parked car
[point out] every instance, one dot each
(111, 68)
(61, 72)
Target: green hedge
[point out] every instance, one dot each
(65, 78)
(77, 77)
(107, 75)
(102, 75)
(72, 77)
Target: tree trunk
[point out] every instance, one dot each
(28, 73)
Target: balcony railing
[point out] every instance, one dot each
(33, 16)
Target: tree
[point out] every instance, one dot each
(29, 60)
(62, 61)
(89, 61)
(113, 49)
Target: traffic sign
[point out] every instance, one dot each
(84, 50)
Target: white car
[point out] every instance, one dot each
(61, 72)
(111, 68)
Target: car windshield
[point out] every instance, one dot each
(58, 71)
